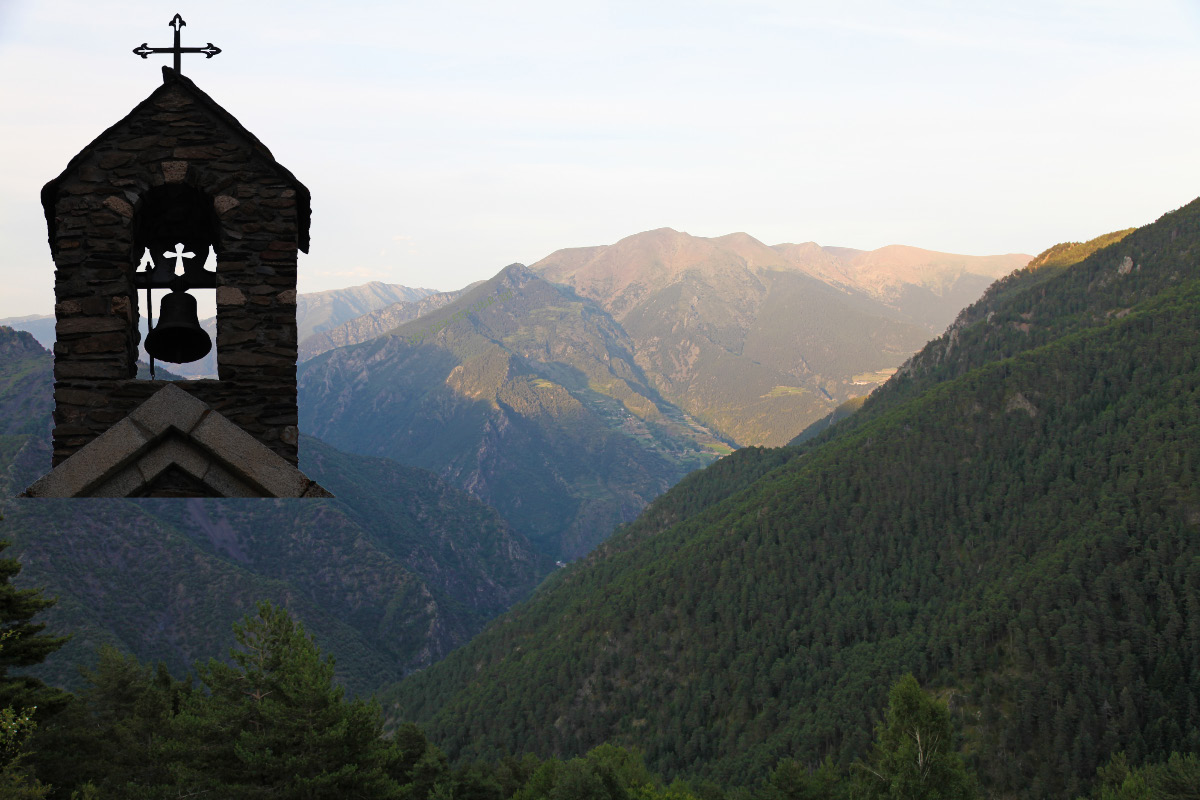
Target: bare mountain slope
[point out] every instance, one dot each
(757, 342)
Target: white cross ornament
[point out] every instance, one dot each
(179, 256)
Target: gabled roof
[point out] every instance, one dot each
(175, 433)
(172, 79)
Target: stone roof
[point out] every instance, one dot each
(174, 445)
(173, 79)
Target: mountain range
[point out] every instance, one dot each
(521, 393)
(754, 342)
(757, 342)
(374, 323)
(569, 405)
(549, 414)
(1013, 517)
(320, 311)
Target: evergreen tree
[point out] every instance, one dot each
(914, 756)
(15, 729)
(1178, 778)
(792, 781)
(24, 644)
(607, 772)
(274, 725)
(117, 734)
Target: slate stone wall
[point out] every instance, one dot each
(175, 136)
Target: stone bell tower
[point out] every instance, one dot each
(178, 178)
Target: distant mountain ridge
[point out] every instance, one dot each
(616, 275)
(758, 342)
(374, 323)
(320, 311)
(520, 392)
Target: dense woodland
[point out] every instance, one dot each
(270, 722)
(1012, 520)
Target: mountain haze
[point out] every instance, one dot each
(521, 393)
(320, 311)
(373, 324)
(393, 574)
(757, 342)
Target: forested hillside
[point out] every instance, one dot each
(1015, 519)
(1046, 301)
(393, 574)
(1009, 289)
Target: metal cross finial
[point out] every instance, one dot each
(176, 23)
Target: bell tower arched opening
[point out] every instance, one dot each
(176, 226)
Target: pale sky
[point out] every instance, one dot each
(442, 141)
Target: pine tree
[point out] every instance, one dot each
(117, 734)
(914, 756)
(24, 643)
(792, 781)
(273, 723)
(15, 728)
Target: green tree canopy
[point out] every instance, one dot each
(25, 644)
(274, 724)
(914, 757)
(1178, 778)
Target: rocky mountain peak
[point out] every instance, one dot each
(16, 344)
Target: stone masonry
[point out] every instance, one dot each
(174, 445)
(259, 218)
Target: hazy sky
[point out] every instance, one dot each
(442, 141)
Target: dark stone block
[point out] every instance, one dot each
(110, 161)
(97, 324)
(100, 343)
(64, 368)
(139, 143)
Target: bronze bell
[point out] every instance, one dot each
(178, 337)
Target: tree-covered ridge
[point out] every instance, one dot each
(25, 384)
(1022, 312)
(1076, 286)
(1065, 254)
(270, 722)
(1023, 533)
